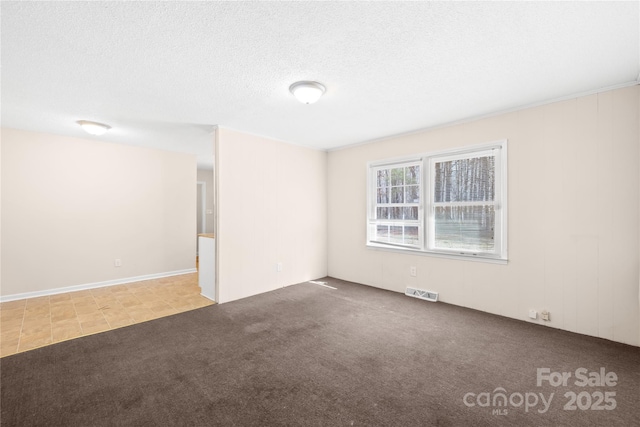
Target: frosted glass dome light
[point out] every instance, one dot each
(307, 92)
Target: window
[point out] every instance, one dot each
(397, 212)
(451, 203)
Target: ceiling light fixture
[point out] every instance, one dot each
(93, 128)
(307, 92)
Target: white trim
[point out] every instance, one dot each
(95, 285)
(440, 254)
(373, 221)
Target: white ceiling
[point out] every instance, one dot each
(162, 74)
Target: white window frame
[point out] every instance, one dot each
(427, 206)
(373, 221)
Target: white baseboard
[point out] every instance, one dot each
(86, 286)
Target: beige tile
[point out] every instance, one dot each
(35, 302)
(35, 324)
(62, 308)
(164, 311)
(107, 311)
(111, 307)
(159, 306)
(84, 300)
(108, 307)
(118, 289)
(65, 323)
(10, 325)
(9, 340)
(36, 331)
(7, 351)
(100, 291)
(94, 326)
(9, 335)
(67, 331)
(31, 323)
(31, 342)
(144, 292)
(86, 308)
(118, 314)
(62, 313)
(112, 314)
(180, 305)
(124, 295)
(89, 317)
(120, 322)
(140, 315)
(106, 301)
(37, 310)
(200, 302)
(9, 347)
(146, 303)
(80, 294)
(12, 313)
(9, 305)
(131, 303)
(59, 298)
(141, 292)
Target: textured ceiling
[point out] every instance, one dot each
(162, 74)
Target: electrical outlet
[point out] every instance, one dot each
(117, 262)
(544, 315)
(279, 267)
(413, 272)
(533, 314)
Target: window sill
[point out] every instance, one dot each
(409, 251)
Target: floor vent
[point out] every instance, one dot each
(422, 294)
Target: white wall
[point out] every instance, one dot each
(573, 217)
(271, 208)
(206, 176)
(71, 206)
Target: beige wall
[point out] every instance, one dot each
(71, 206)
(207, 176)
(271, 199)
(573, 217)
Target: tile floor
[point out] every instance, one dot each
(35, 322)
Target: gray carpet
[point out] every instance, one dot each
(307, 355)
